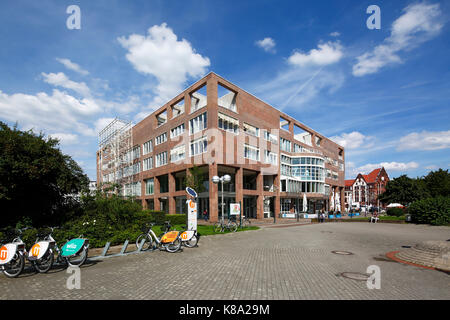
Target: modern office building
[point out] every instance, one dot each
(272, 158)
(364, 190)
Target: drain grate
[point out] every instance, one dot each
(406, 246)
(355, 276)
(345, 253)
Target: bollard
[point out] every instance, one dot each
(105, 249)
(124, 248)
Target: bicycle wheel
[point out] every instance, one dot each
(148, 241)
(217, 227)
(78, 259)
(174, 246)
(192, 242)
(45, 263)
(15, 266)
(232, 226)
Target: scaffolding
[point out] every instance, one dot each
(115, 143)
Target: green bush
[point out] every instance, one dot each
(395, 212)
(176, 219)
(435, 211)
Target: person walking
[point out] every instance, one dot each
(205, 215)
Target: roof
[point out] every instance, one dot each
(349, 183)
(372, 177)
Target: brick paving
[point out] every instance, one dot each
(271, 263)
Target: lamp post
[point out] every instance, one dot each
(224, 179)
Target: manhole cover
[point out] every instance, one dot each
(406, 246)
(355, 276)
(345, 253)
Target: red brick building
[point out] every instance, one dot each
(363, 191)
(272, 158)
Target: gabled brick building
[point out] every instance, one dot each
(272, 158)
(363, 191)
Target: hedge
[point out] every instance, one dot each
(435, 211)
(395, 212)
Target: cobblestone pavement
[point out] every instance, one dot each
(271, 263)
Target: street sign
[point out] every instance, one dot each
(235, 209)
(191, 192)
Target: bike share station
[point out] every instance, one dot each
(186, 236)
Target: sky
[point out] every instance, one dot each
(382, 93)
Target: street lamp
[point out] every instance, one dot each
(224, 179)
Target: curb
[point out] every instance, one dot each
(392, 255)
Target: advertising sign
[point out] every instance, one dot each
(235, 209)
(192, 214)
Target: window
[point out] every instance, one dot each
(198, 146)
(161, 138)
(251, 152)
(161, 159)
(150, 186)
(271, 157)
(132, 189)
(198, 123)
(147, 147)
(147, 164)
(177, 154)
(270, 137)
(175, 132)
(285, 145)
(252, 130)
(228, 123)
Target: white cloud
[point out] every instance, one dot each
(72, 66)
(335, 34)
(354, 140)
(162, 55)
(431, 167)
(425, 140)
(326, 54)
(101, 123)
(388, 166)
(65, 138)
(61, 80)
(419, 23)
(267, 44)
(59, 112)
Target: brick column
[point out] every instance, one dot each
(156, 188)
(172, 202)
(342, 195)
(239, 186)
(213, 193)
(277, 197)
(260, 200)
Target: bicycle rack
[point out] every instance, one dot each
(123, 252)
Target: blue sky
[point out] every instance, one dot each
(383, 94)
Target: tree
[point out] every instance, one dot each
(37, 181)
(194, 179)
(437, 183)
(403, 190)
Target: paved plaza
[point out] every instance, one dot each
(293, 262)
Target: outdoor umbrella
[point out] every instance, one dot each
(393, 205)
(332, 201)
(338, 202)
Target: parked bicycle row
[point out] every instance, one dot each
(13, 255)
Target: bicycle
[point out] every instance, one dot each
(76, 251)
(222, 226)
(245, 222)
(12, 261)
(169, 241)
(189, 238)
(41, 254)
